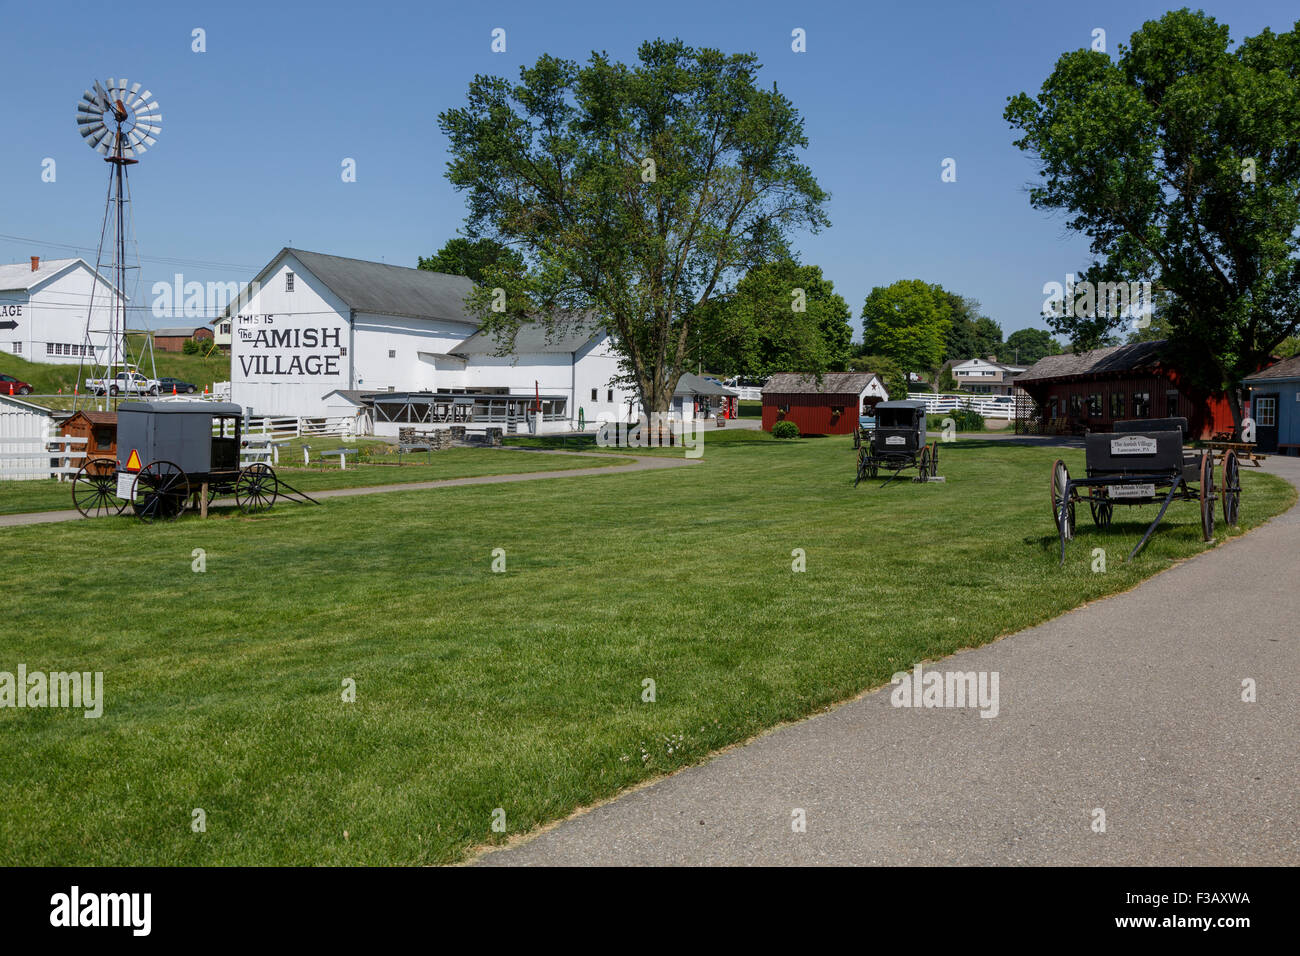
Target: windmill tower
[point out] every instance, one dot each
(120, 123)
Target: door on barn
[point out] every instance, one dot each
(1265, 409)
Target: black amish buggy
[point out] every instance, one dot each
(1142, 462)
(168, 453)
(896, 442)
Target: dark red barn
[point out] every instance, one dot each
(1090, 391)
(829, 407)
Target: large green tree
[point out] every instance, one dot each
(1027, 346)
(782, 317)
(1180, 161)
(907, 322)
(472, 258)
(636, 193)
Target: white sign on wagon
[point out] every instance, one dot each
(125, 483)
(1132, 491)
(1133, 445)
(895, 440)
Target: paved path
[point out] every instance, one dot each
(639, 463)
(1131, 705)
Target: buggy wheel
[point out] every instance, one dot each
(1102, 511)
(1207, 495)
(94, 489)
(1231, 489)
(256, 488)
(925, 464)
(159, 492)
(1062, 506)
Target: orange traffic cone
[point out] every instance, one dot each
(173, 389)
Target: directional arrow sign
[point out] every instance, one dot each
(8, 324)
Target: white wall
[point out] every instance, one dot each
(55, 312)
(17, 420)
(313, 328)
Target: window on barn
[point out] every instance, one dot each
(103, 436)
(593, 394)
(1171, 403)
(1094, 406)
(1266, 412)
(1141, 404)
(1076, 405)
(288, 282)
(1116, 404)
(18, 348)
(343, 350)
(392, 353)
(609, 395)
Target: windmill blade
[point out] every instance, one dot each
(135, 101)
(96, 98)
(104, 99)
(91, 130)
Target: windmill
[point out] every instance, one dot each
(120, 123)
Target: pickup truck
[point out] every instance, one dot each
(126, 383)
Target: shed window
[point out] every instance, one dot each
(288, 282)
(593, 394)
(1171, 403)
(1116, 404)
(609, 395)
(103, 436)
(1266, 412)
(837, 410)
(1141, 404)
(18, 348)
(1094, 406)
(1076, 405)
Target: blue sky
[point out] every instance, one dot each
(255, 129)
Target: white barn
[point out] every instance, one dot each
(44, 307)
(314, 332)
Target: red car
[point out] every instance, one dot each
(12, 386)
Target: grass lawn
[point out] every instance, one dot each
(519, 690)
(51, 495)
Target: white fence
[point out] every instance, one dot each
(990, 406)
(51, 456)
(748, 393)
(269, 427)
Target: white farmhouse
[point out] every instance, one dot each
(986, 376)
(314, 333)
(44, 308)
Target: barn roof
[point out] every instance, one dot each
(832, 383)
(531, 339)
(692, 384)
(380, 288)
(19, 276)
(95, 418)
(1282, 371)
(1108, 361)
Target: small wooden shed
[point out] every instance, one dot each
(827, 407)
(98, 428)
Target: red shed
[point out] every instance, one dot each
(1090, 391)
(98, 428)
(828, 407)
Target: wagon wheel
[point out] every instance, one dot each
(1207, 496)
(94, 489)
(159, 492)
(1231, 489)
(1102, 511)
(256, 488)
(934, 460)
(925, 464)
(1062, 507)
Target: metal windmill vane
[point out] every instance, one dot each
(134, 115)
(120, 122)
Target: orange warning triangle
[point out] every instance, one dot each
(133, 463)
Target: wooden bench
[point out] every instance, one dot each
(1245, 451)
